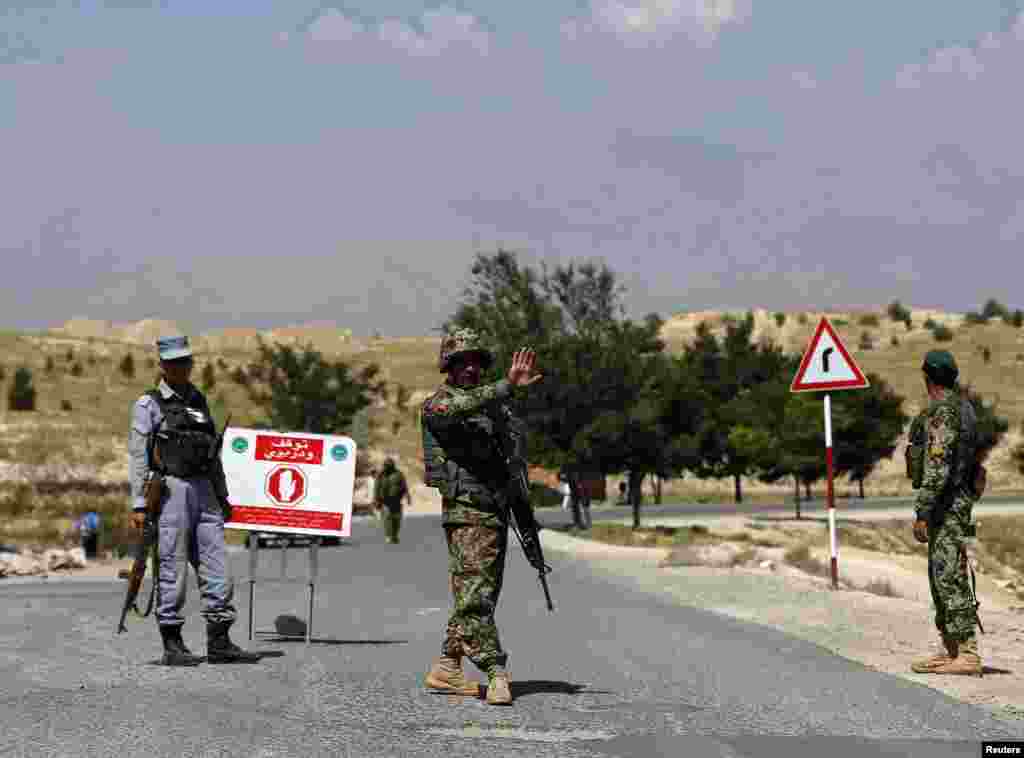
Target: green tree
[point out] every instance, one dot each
(209, 376)
(994, 309)
(127, 366)
(22, 394)
(897, 312)
(867, 425)
(728, 369)
(597, 364)
(991, 426)
(304, 392)
(650, 411)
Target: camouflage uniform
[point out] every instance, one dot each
(464, 430)
(391, 487)
(946, 433)
(945, 501)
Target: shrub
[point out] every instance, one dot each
(127, 367)
(76, 369)
(91, 359)
(994, 309)
(1016, 319)
(50, 365)
(239, 377)
(22, 395)
(869, 319)
(909, 323)
(867, 342)
(894, 341)
(780, 319)
(70, 355)
(930, 323)
(942, 333)
(801, 558)
(973, 318)
(802, 319)
(881, 587)
(209, 376)
(986, 354)
(841, 322)
(897, 312)
(3, 372)
(65, 405)
(222, 364)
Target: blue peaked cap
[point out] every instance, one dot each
(172, 348)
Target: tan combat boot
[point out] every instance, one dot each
(446, 676)
(499, 689)
(947, 652)
(967, 661)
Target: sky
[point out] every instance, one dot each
(266, 163)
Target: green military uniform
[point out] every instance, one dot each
(467, 425)
(944, 444)
(391, 488)
(464, 437)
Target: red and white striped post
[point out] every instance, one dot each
(832, 541)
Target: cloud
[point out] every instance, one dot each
(641, 21)
(435, 32)
(442, 28)
(334, 26)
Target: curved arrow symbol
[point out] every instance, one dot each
(824, 357)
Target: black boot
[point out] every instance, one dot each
(175, 652)
(220, 648)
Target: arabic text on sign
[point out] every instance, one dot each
(287, 449)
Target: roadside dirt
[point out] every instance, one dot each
(882, 632)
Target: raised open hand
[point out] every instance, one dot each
(522, 372)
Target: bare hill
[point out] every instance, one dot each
(100, 395)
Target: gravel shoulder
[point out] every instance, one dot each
(883, 633)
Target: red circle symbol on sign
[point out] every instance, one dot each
(286, 485)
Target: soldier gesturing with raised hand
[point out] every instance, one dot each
(463, 454)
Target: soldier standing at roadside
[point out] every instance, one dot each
(172, 435)
(942, 462)
(463, 423)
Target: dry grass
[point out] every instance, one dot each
(881, 587)
(800, 557)
(93, 433)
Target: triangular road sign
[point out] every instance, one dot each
(827, 364)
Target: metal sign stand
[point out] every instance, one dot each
(310, 581)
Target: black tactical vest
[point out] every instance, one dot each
(466, 461)
(184, 442)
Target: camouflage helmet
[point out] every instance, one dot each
(940, 367)
(461, 341)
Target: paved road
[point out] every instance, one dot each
(614, 672)
(818, 508)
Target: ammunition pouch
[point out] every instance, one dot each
(915, 452)
(185, 443)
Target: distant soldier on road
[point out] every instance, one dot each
(173, 436)
(942, 462)
(464, 424)
(390, 491)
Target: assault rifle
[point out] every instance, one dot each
(521, 515)
(153, 493)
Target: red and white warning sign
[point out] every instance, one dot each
(827, 364)
(286, 485)
(296, 483)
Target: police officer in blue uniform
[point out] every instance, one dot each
(173, 435)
